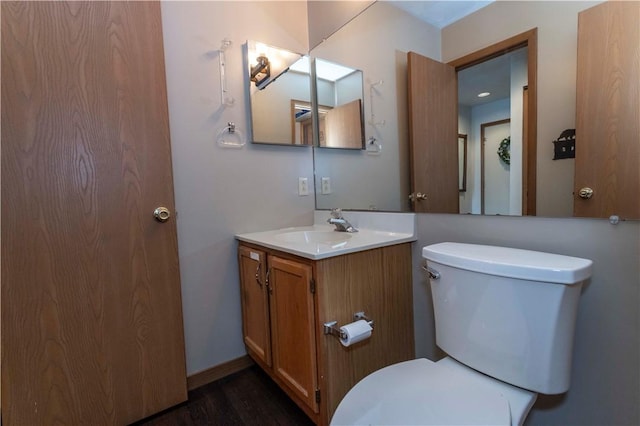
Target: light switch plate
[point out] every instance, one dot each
(303, 186)
(325, 187)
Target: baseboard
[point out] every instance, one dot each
(212, 374)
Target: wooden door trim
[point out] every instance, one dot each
(483, 126)
(527, 39)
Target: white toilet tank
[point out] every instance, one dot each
(506, 312)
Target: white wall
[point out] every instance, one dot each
(605, 385)
(557, 51)
(481, 114)
(518, 81)
(223, 191)
(326, 17)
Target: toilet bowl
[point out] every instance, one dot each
(506, 319)
(455, 395)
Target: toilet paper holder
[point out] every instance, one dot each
(332, 328)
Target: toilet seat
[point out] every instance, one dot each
(424, 392)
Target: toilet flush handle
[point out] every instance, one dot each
(433, 274)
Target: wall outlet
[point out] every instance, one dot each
(303, 186)
(325, 186)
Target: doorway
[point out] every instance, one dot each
(527, 39)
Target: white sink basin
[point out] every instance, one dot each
(320, 240)
(313, 237)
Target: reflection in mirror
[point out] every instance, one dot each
(462, 162)
(279, 91)
(381, 181)
(376, 42)
(489, 92)
(340, 115)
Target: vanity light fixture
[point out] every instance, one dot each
(261, 71)
(483, 94)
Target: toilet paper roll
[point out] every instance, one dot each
(355, 332)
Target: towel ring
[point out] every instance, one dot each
(230, 137)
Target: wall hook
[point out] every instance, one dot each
(372, 89)
(225, 98)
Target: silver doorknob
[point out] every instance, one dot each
(586, 193)
(162, 214)
(417, 196)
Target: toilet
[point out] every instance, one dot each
(505, 317)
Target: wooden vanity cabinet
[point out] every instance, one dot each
(286, 299)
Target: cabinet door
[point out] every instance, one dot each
(255, 304)
(293, 328)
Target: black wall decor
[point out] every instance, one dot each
(565, 145)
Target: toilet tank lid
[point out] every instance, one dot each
(510, 262)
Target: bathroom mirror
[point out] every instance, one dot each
(363, 181)
(279, 86)
(282, 108)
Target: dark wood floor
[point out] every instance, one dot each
(248, 397)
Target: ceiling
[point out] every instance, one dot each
(492, 76)
(440, 13)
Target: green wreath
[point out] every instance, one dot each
(504, 150)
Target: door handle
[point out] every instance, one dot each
(162, 214)
(585, 193)
(417, 196)
(258, 274)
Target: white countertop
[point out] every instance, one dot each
(320, 240)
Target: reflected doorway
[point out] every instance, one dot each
(495, 171)
(521, 105)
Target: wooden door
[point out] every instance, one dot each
(91, 313)
(293, 340)
(344, 126)
(433, 134)
(255, 304)
(608, 111)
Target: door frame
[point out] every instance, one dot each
(527, 39)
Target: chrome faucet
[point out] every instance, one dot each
(342, 225)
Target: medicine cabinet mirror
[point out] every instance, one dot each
(282, 107)
(279, 87)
